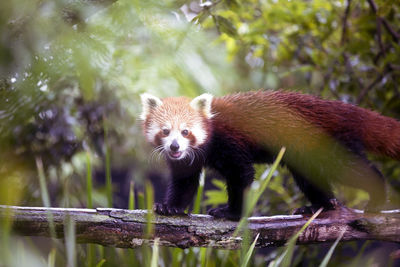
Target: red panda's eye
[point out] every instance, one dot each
(185, 132)
(165, 131)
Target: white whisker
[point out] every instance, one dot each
(156, 153)
(192, 155)
(195, 152)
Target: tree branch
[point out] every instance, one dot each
(395, 36)
(343, 38)
(126, 228)
(377, 80)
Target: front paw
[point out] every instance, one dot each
(168, 210)
(224, 212)
(332, 204)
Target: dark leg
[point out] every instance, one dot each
(237, 181)
(180, 193)
(319, 196)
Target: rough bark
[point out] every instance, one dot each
(127, 228)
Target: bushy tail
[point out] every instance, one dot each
(381, 135)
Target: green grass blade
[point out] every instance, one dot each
(70, 242)
(250, 252)
(149, 198)
(176, 257)
(89, 180)
(246, 240)
(252, 197)
(89, 199)
(199, 195)
(141, 201)
(154, 257)
(100, 263)
(51, 259)
(257, 194)
(203, 257)
(42, 183)
(108, 178)
(190, 259)
(131, 201)
(100, 252)
(328, 256)
(132, 258)
(285, 258)
(5, 236)
(90, 255)
(107, 166)
(131, 204)
(45, 195)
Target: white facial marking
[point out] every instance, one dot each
(152, 131)
(182, 142)
(200, 133)
(183, 126)
(167, 126)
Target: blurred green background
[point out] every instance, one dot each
(71, 73)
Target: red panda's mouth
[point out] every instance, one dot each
(175, 155)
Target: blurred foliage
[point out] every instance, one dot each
(71, 73)
(336, 49)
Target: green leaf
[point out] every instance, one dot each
(224, 25)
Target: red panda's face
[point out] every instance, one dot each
(176, 126)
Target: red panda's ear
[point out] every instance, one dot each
(149, 103)
(202, 103)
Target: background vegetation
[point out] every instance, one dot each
(71, 73)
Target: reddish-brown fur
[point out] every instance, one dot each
(379, 134)
(324, 140)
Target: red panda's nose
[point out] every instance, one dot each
(174, 146)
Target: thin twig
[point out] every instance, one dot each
(393, 33)
(343, 39)
(395, 36)
(365, 90)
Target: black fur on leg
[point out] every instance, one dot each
(181, 190)
(319, 196)
(238, 179)
(224, 212)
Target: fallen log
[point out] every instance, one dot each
(127, 228)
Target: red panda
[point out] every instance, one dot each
(325, 142)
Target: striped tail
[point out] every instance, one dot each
(381, 135)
